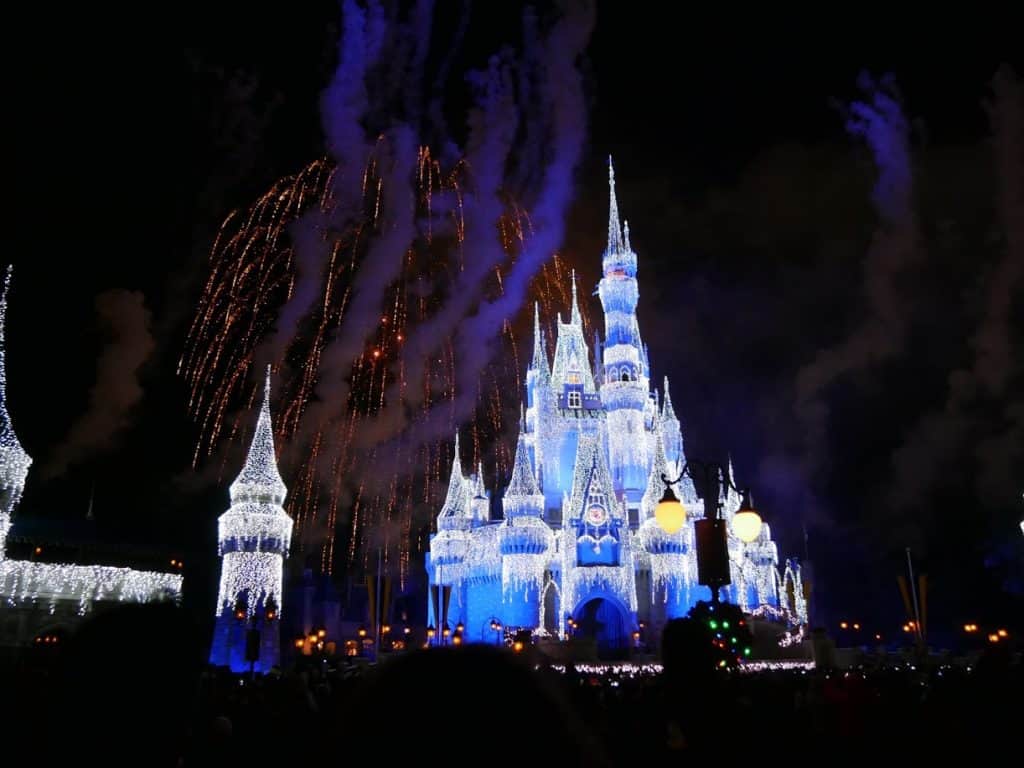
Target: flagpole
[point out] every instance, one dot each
(913, 593)
(376, 614)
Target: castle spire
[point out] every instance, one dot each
(457, 461)
(480, 489)
(523, 483)
(655, 485)
(667, 412)
(540, 356)
(455, 500)
(575, 316)
(259, 478)
(614, 232)
(625, 228)
(14, 461)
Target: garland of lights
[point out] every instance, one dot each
(23, 581)
(249, 577)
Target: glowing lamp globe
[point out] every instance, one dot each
(670, 512)
(746, 523)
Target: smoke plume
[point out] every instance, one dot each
(117, 390)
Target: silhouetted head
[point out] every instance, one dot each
(686, 648)
(463, 705)
(129, 681)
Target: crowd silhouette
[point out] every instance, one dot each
(131, 687)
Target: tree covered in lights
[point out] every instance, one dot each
(578, 548)
(253, 538)
(728, 632)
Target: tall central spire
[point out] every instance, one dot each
(575, 316)
(614, 230)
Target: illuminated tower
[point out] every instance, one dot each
(14, 462)
(525, 543)
(624, 391)
(252, 540)
(673, 436)
(449, 547)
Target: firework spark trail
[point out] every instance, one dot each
(563, 98)
(493, 127)
(333, 272)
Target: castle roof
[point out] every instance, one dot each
(259, 479)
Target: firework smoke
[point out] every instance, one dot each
(973, 393)
(385, 282)
(117, 390)
(880, 335)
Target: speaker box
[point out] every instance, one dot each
(712, 553)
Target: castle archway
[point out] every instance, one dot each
(606, 621)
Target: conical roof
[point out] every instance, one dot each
(259, 479)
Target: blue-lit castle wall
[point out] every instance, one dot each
(577, 548)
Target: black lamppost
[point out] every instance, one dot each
(710, 532)
(496, 628)
(252, 623)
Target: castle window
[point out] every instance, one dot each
(625, 374)
(575, 399)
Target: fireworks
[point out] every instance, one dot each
(347, 449)
(384, 284)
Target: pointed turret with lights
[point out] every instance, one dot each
(253, 538)
(14, 461)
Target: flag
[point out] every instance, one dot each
(922, 592)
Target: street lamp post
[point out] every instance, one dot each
(710, 532)
(252, 625)
(496, 628)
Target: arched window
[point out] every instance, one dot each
(625, 374)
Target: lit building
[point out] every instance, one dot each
(578, 545)
(36, 596)
(253, 537)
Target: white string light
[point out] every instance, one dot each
(254, 534)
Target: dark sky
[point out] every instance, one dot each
(751, 212)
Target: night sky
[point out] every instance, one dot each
(751, 210)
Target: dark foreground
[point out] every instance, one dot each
(129, 690)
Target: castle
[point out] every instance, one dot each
(579, 545)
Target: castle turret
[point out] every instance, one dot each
(14, 461)
(624, 391)
(671, 574)
(253, 538)
(523, 496)
(673, 435)
(480, 504)
(525, 542)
